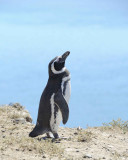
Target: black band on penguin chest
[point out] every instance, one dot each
(64, 86)
(55, 112)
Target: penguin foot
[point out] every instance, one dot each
(56, 136)
(49, 135)
(56, 140)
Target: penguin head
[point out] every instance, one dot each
(57, 65)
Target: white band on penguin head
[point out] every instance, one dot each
(54, 70)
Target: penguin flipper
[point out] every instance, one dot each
(62, 104)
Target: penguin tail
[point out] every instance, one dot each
(37, 131)
(33, 134)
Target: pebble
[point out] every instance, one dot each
(76, 133)
(87, 156)
(113, 153)
(44, 156)
(110, 146)
(17, 105)
(79, 128)
(19, 120)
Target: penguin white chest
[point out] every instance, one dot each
(56, 116)
(66, 88)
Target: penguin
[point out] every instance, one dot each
(53, 106)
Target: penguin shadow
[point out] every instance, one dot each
(49, 139)
(52, 139)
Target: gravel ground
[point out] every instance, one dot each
(98, 143)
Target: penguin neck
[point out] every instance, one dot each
(57, 76)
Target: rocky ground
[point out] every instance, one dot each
(108, 142)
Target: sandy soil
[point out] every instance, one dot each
(98, 143)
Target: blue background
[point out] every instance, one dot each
(94, 31)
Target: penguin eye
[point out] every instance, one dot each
(58, 66)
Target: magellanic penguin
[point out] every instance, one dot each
(53, 106)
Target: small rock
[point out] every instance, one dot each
(19, 120)
(109, 136)
(75, 133)
(87, 156)
(110, 146)
(79, 128)
(69, 138)
(29, 119)
(44, 156)
(57, 141)
(17, 105)
(113, 153)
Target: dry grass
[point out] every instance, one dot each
(15, 143)
(2, 109)
(125, 154)
(43, 146)
(116, 155)
(84, 136)
(18, 106)
(116, 125)
(15, 115)
(15, 112)
(30, 144)
(17, 137)
(12, 128)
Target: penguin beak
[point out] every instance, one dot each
(64, 56)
